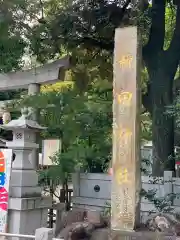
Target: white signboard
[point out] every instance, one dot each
(50, 147)
(5, 172)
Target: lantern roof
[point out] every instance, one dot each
(24, 122)
(2, 142)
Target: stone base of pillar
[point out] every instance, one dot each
(25, 215)
(129, 235)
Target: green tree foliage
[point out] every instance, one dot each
(82, 121)
(14, 17)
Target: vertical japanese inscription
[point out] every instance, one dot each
(125, 165)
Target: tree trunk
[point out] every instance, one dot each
(162, 123)
(163, 143)
(162, 66)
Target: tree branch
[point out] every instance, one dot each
(174, 49)
(109, 46)
(103, 44)
(125, 7)
(157, 31)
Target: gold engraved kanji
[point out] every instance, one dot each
(125, 98)
(122, 176)
(124, 136)
(126, 61)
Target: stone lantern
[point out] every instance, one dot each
(27, 208)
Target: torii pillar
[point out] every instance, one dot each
(34, 89)
(126, 180)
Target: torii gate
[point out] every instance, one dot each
(32, 80)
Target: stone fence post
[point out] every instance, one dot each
(60, 208)
(76, 183)
(168, 183)
(44, 234)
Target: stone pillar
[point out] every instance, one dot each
(126, 180)
(33, 89)
(27, 208)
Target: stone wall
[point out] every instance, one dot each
(93, 191)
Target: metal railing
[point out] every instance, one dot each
(17, 235)
(41, 233)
